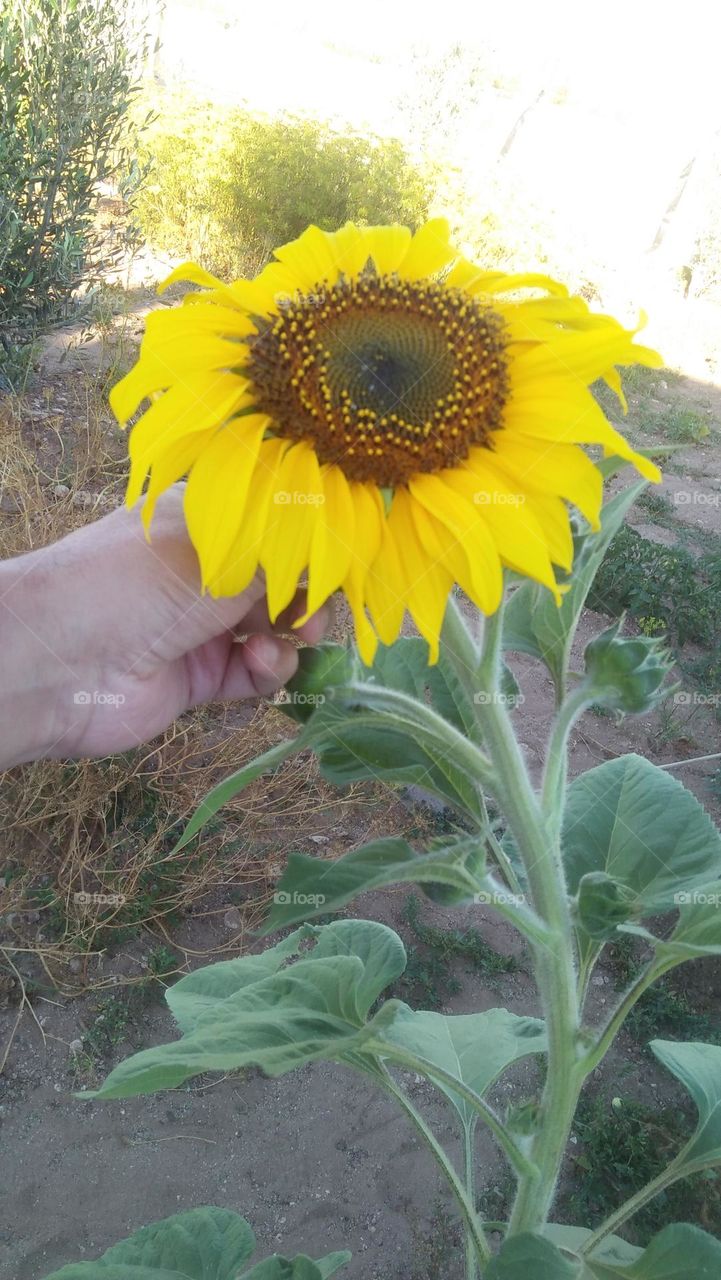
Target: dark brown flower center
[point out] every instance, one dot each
(385, 377)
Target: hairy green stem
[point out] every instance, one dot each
(536, 830)
(672, 1173)
(474, 1230)
(470, 1179)
(555, 773)
(431, 1070)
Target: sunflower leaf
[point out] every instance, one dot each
(679, 1252)
(201, 1244)
(313, 885)
(473, 1047)
(640, 828)
(528, 1255)
(311, 1003)
(368, 731)
(698, 1067)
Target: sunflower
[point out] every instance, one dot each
(379, 413)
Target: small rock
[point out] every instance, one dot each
(76, 1046)
(231, 919)
(319, 839)
(9, 505)
(598, 980)
(75, 965)
(60, 490)
(82, 498)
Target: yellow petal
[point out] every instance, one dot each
(427, 583)
(480, 576)
(467, 524)
(157, 370)
(613, 379)
(552, 516)
(369, 517)
(428, 252)
(205, 400)
(218, 489)
(186, 322)
(385, 586)
(561, 469)
(191, 272)
(466, 275)
(174, 462)
(243, 558)
(286, 543)
(310, 258)
(331, 547)
(585, 356)
(567, 413)
(387, 246)
(518, 535)
(350, 249)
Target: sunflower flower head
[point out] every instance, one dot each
(378, 413)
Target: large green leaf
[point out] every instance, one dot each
(698, 1067)
(534, 624)
(365, 732)
(698, 929)
(313, 885)
(473, 1047)
(531, 1257)
(636, 824)
(201, 1244)
(679, 1252)
(313, 1008)
(404, 666)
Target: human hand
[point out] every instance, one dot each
(105, 639)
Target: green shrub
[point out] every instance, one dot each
(229, 186)
(67, 78)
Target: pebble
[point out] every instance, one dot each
(60, 490)
(76, 1046)
(231, 919)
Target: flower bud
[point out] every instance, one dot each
(626, 673)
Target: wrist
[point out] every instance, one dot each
(36, 682)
